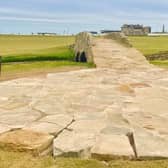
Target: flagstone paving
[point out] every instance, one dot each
(88, 113)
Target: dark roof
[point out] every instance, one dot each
(45, 33)
(132, 26)
(93, 32)
(109, 31)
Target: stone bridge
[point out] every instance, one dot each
(107, 54)
(83, 48)
(118, 110)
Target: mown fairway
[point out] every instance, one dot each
(11, 45)
(23, 55)
(151, 45)
(36, 48)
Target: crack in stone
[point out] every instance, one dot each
(65, 128)
(131, 139)
(42, 114)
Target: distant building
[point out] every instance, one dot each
(93, 33)
(135, 30)
(109, 31)
(47, 34)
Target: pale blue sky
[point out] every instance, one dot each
(72, 16)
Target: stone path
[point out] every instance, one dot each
(88, 113)
(109, 54)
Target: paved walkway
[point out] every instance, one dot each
(109, 54)
(89, 113)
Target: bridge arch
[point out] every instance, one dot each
(77, 58)
(83, 57)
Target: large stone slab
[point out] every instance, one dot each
(151, 145)
(26, 141)
(112, 146)
(71, 144)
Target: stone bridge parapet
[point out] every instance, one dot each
(83, 48)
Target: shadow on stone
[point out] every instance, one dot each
(77, 58)
(83, 57)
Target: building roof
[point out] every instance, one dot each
(137, 26)
(109, 31)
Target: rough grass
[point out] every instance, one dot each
(149, 45)
(139, 164)
(23, 160)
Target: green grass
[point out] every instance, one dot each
(160, 63)
(18, 70)
(39, 66)
(53, 54)
(23, 160)
(149, 45)
(36, 48)
(13, 45)
(139, 164)
(37, 54)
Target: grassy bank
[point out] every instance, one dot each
(151, 45)
(23, 160)
(16, 70)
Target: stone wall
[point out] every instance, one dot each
(83, 48)
(120, 38)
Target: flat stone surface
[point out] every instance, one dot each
(60, 119)
(72, 144)
(91, 111)
(4, 128)
(45, 127)
(53, 124)
(89, 126)
(150, 145)
(112, 146)
(27, 141)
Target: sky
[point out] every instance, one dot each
(73, 16)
